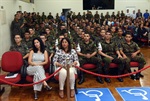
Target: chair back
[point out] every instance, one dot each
(12, 61)
(46, 66)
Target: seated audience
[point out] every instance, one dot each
(38, 57)
(27, 40)
(110, 53)
(19, 46)
(131, 52)
(64, 53)
(87, 54)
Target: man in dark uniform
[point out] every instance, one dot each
(43, 16)
(87, 54)
(50, 36)
(48, 46)
(131, 52)
(32, 32)
(19, 46)
(96, 17)
(119, 38)
(110, 53)
(102, 18)
(27, 40)
(15, 27)
(50, 17)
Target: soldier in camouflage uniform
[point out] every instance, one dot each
(84, 16)
(50, 36)
(96, 17)
(113, 31)
(38, 18)
(119, 38)
(107, 15)
(15, 27)
(57, 41)
(110, 53)
(20, 47)
(48, 46)
(131, 52)
(33, 34)
(89, 16)
(122, 14)
(101, 36)
(102, 18)
(113, 15)
(27, 40)
(87, 54)
(43, 17)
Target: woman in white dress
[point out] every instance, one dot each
(38, 57)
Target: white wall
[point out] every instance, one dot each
(55, 6)
(9, 7)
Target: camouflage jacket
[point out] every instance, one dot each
(129, 48)
(22, 48)
(109, 48)
(88, 48)
(118, 40)
(28, 43)
(49, 48)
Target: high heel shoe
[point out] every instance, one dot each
(47, 87)
(35, 96)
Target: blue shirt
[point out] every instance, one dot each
(146, 15)
(62, 18)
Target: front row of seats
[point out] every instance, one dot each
(12, 61)
(112, 65)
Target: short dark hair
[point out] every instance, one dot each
(42, 47)
(26, 32)
(128, 33)
(18, 35)
(69, 44)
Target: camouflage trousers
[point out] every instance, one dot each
(138, 59)
(93, 60)
(120, 62)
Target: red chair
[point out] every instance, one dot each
(144, 41)
(134, 64)
(89, 66)
(12, 61)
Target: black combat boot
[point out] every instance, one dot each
(99, 70)
(131, 76)
(81, 78)
(137, 77)
(99, 79)
(120, 79)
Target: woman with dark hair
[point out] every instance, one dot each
(37, 58)
(142, 32)
(63, 56)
